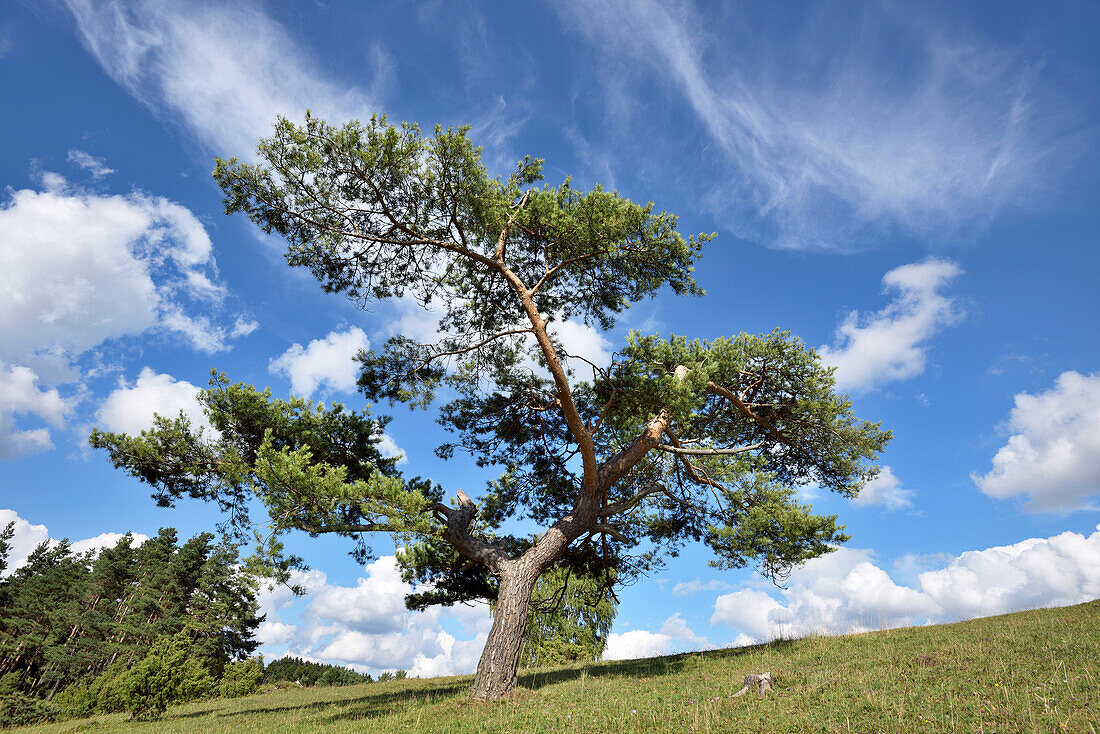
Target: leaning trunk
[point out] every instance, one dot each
(496, 672)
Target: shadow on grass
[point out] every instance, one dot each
(368, 705)
(643, 668)
(376, 703)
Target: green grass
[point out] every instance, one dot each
(1028, 672)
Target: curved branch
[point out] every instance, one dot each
(353, 528)
(638, 497)
(621, 463)
(746, 411)
(457, 533)
(613, 532)
(707, 452)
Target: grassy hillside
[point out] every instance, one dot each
(1029, 672)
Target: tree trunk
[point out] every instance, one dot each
(496, 672)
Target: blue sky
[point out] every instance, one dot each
(911, 190)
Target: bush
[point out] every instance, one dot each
(241, 678)
(165, 676)
(105, 689)
(18, 709)
(100, 695)
(75, 702)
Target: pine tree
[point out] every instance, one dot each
(223, 612)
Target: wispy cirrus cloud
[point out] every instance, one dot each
(95, 166)
(223, 71)
(855, 123)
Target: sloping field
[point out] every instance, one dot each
(1034, 671)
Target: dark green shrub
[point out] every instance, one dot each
(19, 709)
(165, 676)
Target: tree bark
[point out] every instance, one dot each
(499, 664)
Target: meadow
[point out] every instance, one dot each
(1034, 671)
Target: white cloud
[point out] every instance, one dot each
(636, 644)
(225, 71)
(243, 327)
(324, 363)
(20, 395)
(368, 627)
(105, 540)
(846, 591)
(274, 598)
(80, 269)
(822, 138)
(27, 537)
(892, 343)
(1053, 455)
(376, 605)
(695, 586)
(275, 633)
(130, 409)
(389, 449)
(885, 489)
(748, 610)
(1039, 572)
(674, 636)
(97, 167)
(583, 341)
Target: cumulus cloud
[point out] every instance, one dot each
(368, 627)
(225, 71)
(275, 633)
(97, 167)
(329, 364)
(80, 269)
(820, 141)
(375, 605)
(28, 536)
(324, 363)
(21, 395)
(388, 447)
(130, 408)
(885, 489)
(674, 636)
(583, 341)
(871, 349)
(106, 540)
(1053, 455)
(846, 591)
(83, 269)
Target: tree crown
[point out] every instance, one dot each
(674, 440)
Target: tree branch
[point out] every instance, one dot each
(621, 463)
(457, 533)
(747, 411)
(503, 239)
(638, 497)
(613, 532)
(707, 452)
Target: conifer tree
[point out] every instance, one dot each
(675, 440)
(66, 620)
